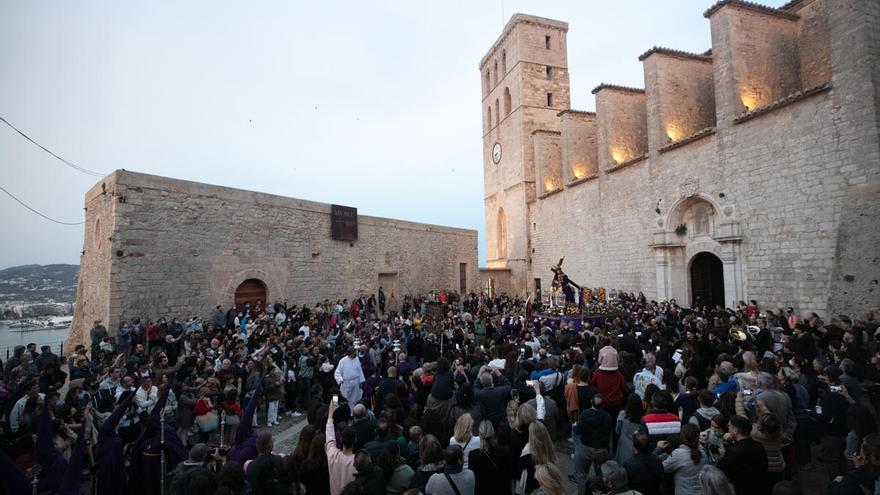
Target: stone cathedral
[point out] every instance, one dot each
(748, 171)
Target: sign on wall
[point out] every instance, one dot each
(343, 223)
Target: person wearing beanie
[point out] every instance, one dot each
(610, 381)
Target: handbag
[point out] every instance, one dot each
(208, 422)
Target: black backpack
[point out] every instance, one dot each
(558, 392)
(704, 423)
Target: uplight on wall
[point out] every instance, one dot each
(673, 132)
(752, 96)
(549, 185)
(579, 170)
(618, 155)
(749, 101)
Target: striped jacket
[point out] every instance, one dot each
(659, 425)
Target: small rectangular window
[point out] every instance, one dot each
(549, 73)
(547, 42)
(549, 99)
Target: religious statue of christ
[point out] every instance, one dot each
(561, 281)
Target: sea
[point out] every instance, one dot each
(11, 337)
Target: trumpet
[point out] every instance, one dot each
(740, 335)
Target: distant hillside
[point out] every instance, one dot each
(38, 283)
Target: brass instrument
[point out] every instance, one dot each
(740, 335)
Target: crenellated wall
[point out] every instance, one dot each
(680, 92)
(755, 54)
(621, 125)
(762, 151)
(548, 161)
(578, 142)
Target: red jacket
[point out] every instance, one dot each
(611, 385)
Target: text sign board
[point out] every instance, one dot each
(343, 223)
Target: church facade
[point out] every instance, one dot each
(748, 171)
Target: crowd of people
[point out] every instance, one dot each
(451, 394)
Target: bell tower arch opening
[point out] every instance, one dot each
(250, 291)
(707, 280)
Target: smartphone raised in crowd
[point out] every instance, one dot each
(335, 401)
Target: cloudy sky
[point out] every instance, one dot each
(374, 104)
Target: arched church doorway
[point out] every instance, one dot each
(707, 280)
(250, 291)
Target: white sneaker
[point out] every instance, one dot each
(296, 414)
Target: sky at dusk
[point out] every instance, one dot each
(369, 104)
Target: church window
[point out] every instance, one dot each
(546, 43)
(549, 73)
(488, 84)
(497, 112)
(496, 72)
(501, 233)
(489, 118)
(549, 99)
(504, 62)
(506, 101)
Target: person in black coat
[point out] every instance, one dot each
(362, 425)
(744, 462)
(368, 478)
(490, 463)
(263, 473)
(644, 469)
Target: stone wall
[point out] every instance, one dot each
(680, 89)
(578, 143)
(180, 248)
(548, 161)
(621, 125)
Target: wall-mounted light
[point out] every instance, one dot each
(549, 185)
(618, 155)
(751, 96)
(673, 132)
(579, 170)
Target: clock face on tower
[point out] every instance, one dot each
(496, 153)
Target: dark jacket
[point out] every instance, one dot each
(181, 476)
(745, 464)
(645, 472)
(386, 387)
(368, 483)
(492, 471)
(442, 389)
(365, 431)
(594, 428)
(493, 400)
(832, 421)
(263, 471)
(375, 447)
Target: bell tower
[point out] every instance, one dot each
(524, 77)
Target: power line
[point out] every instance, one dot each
(69, 164)
(22, 203)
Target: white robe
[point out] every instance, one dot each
(349, 376)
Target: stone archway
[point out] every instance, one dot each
(273, 287)
(697, 229)
(250, 291)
